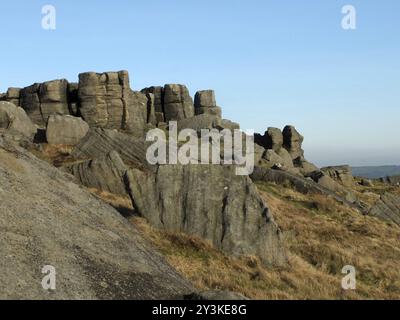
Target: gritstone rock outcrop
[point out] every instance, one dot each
(96, 252)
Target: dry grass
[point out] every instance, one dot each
(322, 237)
(56, 155)
(120, 202)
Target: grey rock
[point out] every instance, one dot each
(342, 174)
(227, 124)
(136, 113)
(103, 98)
(14, 120)
(158, 93)
(387, 208)
(66, 130)
(272, 139)
(106, 173)
(305, 167)
(292, 142)
(282, 159)
(327, 182)
(99, 142)
(178, 104)
(211, 202)
(367, 183)
(30, 102)
(42, 100)
(203, 121)
(46, 219)
(215, 111)
(151, 113)
(13, 96)
(300, 184)
(205, 99)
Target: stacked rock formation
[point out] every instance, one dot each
(205, 103)
(158, 94)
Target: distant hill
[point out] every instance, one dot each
(376, 172)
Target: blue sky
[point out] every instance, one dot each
(271, 62)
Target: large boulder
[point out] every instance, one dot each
(53, 97)
(209, 201)
(105, 174)
(178, 103)
(324, 180)
(280, 159)
(341, 174)
(205, 103)
(66, 130)
(305, 167)
(14, 120)
(292, 142)
(98, 142)
(47, 219)
(387, 208)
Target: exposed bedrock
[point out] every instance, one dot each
(208, 201)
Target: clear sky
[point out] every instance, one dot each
(271, 62)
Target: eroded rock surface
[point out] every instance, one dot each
(211, 202)
(96, 252)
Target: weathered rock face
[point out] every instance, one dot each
(329, 183)
(151, 113)
(211, 202)
(103, 97)
(106, 173)
(178, 103)
(97, 254)
(272, 139)
(342, 174)
(67, 130)
(41, 100)
(205, 103)
(98, 142)
(14, 120)
(227, 124)
(271, 159)
(292, 141)
(136, 114)
(202, 121)
(12, 95)
(387, 208)
(302, 185)
(306, 168)
(158, 93)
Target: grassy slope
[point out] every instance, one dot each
(322, 236)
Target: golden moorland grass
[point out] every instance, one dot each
(322, 236)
